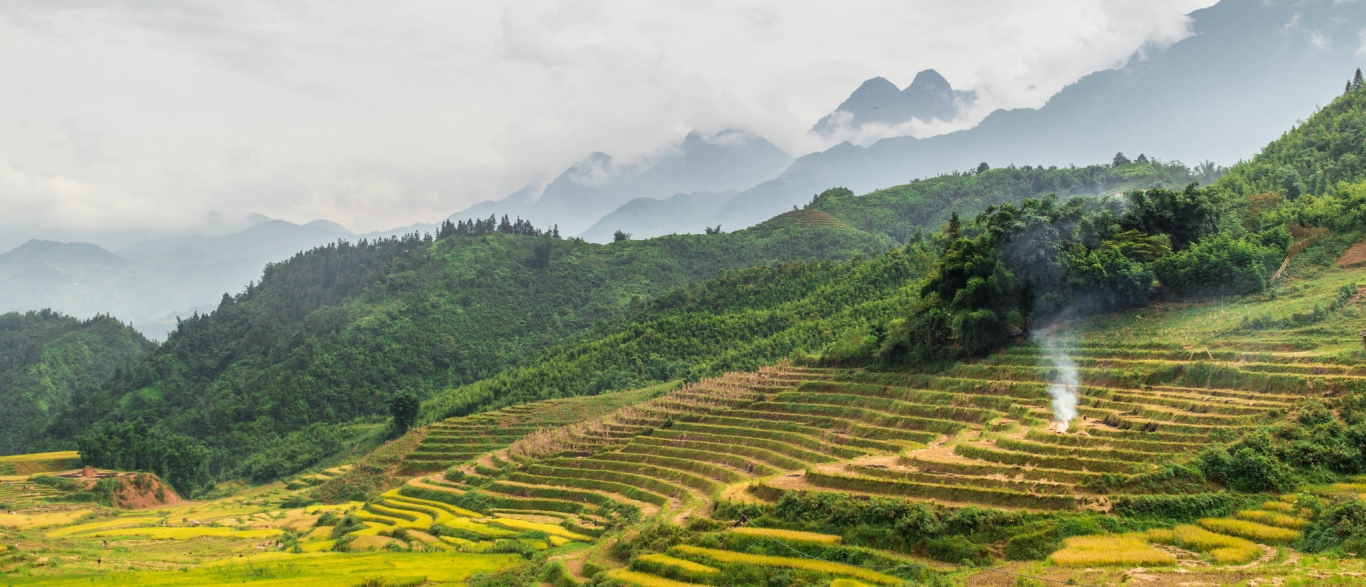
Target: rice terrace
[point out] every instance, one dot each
(956, 343)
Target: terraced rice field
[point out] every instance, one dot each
(979, 433)
(29, 464)
(457, 441)
(319, 478)
(974, 434)
(19, 493)
(1248, 536)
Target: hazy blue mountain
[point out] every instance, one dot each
(878, 101)
(152, 281)
(599, 184)
(647, 217)
(79, 278)
(1249, 71)
(515, 204)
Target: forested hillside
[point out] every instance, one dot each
(333, 333)
(739, 321)
(49, 360)
(903, 211)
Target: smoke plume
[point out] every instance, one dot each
(1063, 387)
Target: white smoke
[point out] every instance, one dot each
(1063, 387)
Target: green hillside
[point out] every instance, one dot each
(48, 361)
(329, 335)
(904, 211)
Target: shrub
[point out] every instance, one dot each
(1179, 508)
(1341, 527)
(1218, 266)
(1246, 469)
(957, 550)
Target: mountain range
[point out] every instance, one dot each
(1247, 71)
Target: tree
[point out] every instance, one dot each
(983, 167)
(1357, 80)
(132, 446)
(541, 255)
(1141, 158)
(1188, 215)
(711, 230)
(404, 406)
(1120, 159)
(619, 236)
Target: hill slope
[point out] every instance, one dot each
(331, 334)
(49, 361)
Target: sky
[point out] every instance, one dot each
(186, 116)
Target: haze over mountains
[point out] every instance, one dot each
(728, 160)
(152, 281)
(1249, 71)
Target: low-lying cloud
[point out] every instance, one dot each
(377, 117)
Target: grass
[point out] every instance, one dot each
(102, 525)
(550, 529)
(40, 520)
(952, 493)
(1273, 518)
(644, 580)
(1116, 550)
(65, 455)
(685, 567)
(793, 535)
(184, 533)
(1223, 549)
(1250, 530)
(819, 566)
(847, 583)
(323, 569)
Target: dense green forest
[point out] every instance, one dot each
(903, 211)
(48, 359)
(331, 334)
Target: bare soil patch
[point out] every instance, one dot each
(1354, 257)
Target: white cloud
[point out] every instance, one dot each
(70, 204)
(378, 115)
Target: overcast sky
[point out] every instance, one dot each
(163, 115)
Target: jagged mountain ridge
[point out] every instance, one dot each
(1248, 71)
(878, 101)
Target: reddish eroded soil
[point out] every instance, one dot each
(153, 493)
(1354, 257)
(136, 491)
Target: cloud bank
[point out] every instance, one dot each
(183, 116)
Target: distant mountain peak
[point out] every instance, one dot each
(878, 101)
(45, 251)
(928, 80)
(330, 225)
